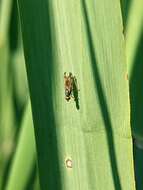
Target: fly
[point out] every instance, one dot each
(68, 82)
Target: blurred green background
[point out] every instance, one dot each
(18, 167)
(17, 144)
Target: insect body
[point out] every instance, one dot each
(68, 82)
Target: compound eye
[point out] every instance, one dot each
(70, 74)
